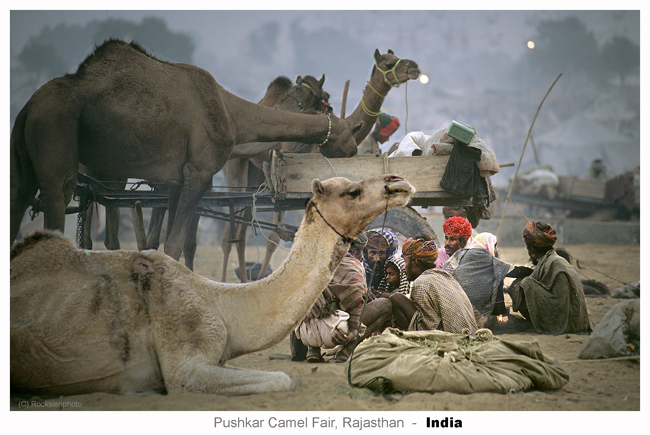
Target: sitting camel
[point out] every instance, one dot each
(125, 113)
(139, 321)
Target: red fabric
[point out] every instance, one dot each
(458, 226)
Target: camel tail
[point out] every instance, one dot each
(22, 179)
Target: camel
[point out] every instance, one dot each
(125, 113)
(389, 71)
(245, 171)
(306, 96)
(139, 321)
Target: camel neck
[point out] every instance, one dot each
(258, 123)
(370, 104)
(271, 308)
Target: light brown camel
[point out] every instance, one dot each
(125, 113)
(137, 321)
(389, 71)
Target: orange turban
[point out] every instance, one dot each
(458, 226)
(420, 249)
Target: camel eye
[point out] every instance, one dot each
(355, 193)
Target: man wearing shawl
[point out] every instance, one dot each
(381, 247)
(346, 292)
(458, 231)
(551, 297)
(437, 300)
(385, 125)
(480, 273)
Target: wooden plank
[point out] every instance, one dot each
(572, 186)
(423, 172)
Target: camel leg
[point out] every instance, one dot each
(189, 250)
(88, 223)
(155, 227)
(271, 245)
(111, 239)
(195, 185)
(226, 247)
(242, 232)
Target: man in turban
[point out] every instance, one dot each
(458, 231)
(385, 125)
(437, 300)
(551, 298)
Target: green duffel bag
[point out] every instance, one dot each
(437, 361)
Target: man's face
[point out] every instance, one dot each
(532, 255)
(453, 243)
(411, 268)
(376, 256)
(392, 277)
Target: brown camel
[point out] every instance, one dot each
(138, 321)
(389, 71)
(245, 171)
(306, 96)
(125, 113)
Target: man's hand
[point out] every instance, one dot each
(339, 337)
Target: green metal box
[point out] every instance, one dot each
(460, 132)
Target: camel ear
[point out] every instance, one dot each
(299, 80)
(321, 81)
(357, 127)
(377, 54)
(317, 187)
(390, 51)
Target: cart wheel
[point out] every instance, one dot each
(405, 223)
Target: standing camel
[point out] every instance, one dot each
(138, 321)
(306, 96)
(125, 113)
(243, 171)
(389, 71)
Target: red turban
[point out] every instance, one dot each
(539, 235)
(386, 124)
(420, 249)
(458, 226)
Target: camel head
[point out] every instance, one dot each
(341, 142)
(395, 70)
(311, 96)
(349, 206)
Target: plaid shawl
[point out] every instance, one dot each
(440, 304)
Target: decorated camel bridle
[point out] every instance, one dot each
(385, 73)
(323, 102)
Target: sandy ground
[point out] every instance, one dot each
(593, 386)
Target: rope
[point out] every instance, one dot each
(368, 111)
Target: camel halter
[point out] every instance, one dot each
(392, 70)
(322, 100)
(346, 239)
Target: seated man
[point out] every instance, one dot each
(458, 231)
(551, 297)
(480, 273)
(437, 300)
(345, 292)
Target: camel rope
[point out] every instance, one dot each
(368, 111)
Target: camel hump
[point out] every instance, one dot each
(35, 238)
(281, 82)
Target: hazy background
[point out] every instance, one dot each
(481, 71)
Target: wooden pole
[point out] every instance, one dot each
(514, 178)
(345, 98)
